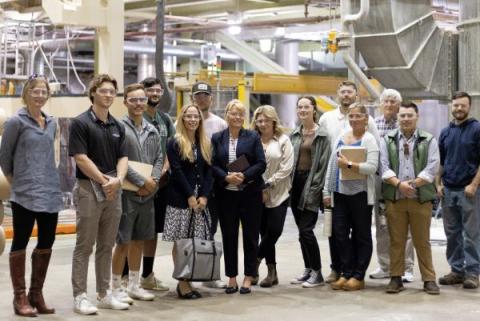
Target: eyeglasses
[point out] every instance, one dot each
(262, 121)
(356, 116)
(191, 117)
(106, 92)
(236, 115)
(152, 90)
(38, 92)
(304, 107)
(137, 100)
(406, 150)
(37, 76)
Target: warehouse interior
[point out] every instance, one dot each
(261, 52)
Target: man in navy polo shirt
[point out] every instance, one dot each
(460, 176)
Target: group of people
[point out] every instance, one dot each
(208, 170)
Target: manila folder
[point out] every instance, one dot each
(356, 155)
(143, 169)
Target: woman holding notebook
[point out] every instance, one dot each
(238, 164)
(350, 190)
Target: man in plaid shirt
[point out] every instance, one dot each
(390, 102)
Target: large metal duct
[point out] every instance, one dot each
(469, 51)
(404, 48)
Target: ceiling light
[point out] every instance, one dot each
(265, 45)
(280, 32)
(234, 30)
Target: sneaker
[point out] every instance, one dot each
(315, 279)
(152, 283)
(332, 277)
(431, 287)
(470, 282)
(137, 293)
(110, 302)
(451, 278)
(82, 305)
(218, 284)
(121, 295)
(408, 277)
(302, 278)
(379, 274)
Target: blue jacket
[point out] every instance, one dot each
(185, 176)
(248, 144)
(459, 147)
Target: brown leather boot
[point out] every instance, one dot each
(255, 278)
(271, 278)
(40, 261)
(17, 274)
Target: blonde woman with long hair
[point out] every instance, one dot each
(279, 156)
(191, 181)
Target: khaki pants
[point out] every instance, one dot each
(401, 215)
(96, 222)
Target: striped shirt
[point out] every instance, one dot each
(232, 156)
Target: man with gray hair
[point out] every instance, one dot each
(390, 100)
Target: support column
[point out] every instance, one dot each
(287, 57)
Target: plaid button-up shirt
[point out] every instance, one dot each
(385, 126)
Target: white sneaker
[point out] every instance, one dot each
(315, 279)
(301, 278)
(379, 274)
(218, 284)
(137, 293)
(121, 295)
(110, 302)
(152, 283)
(82, 305)
(408, 277)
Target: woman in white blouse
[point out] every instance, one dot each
(279, 156)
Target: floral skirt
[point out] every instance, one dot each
(177, 221)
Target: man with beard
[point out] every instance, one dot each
(336, 122)
(164, 125)
(460, 175)
(202, 97)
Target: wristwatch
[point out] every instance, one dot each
(349, 164)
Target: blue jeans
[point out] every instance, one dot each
(461, 221)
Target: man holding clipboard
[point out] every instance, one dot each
(138, 217)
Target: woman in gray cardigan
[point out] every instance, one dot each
(311, 152)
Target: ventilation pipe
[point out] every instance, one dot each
(166, 100)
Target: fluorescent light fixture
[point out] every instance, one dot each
(234, 30)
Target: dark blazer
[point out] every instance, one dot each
(248, 144)
(185, 175)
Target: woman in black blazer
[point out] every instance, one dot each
(239, 192)
(189, 155)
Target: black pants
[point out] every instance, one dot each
(160, 204)
(213, 209)
(336, 263)
(305, 221)
(352, 222)
(23, 222)
(235, 207)
(271, 228)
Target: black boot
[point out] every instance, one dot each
(255, 278)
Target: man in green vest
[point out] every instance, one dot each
(409, 161)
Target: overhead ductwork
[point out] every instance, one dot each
(404, 48)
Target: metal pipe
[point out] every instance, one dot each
(364, 9)
(355, 69)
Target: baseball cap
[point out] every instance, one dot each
(201, 87)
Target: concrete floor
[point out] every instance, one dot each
(284, 302)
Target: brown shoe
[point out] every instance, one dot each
(451, 279)
(17, 274)
(395, 285)
(354, 284)
(332, 277)
(470, 282)
(431, 287)
(271, 278)
(256, 277)
(40, 262)
(338, 285)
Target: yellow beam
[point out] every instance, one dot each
(228, 78)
